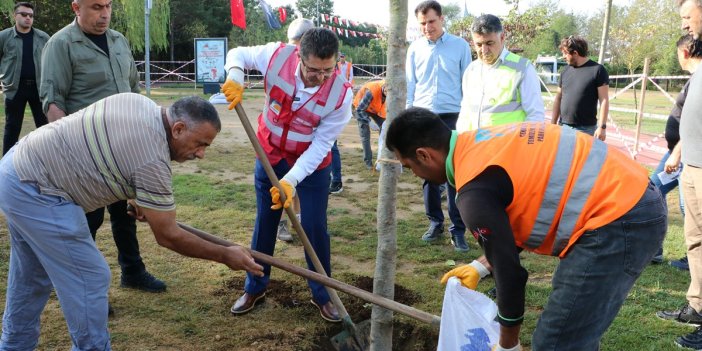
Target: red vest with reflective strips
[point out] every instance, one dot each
(285, 133)
(565, 182)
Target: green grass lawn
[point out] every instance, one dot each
(216, 194)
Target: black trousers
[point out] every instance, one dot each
(14, 112)
(124, 233)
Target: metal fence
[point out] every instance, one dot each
(183, 72)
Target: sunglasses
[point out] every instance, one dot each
(25, 14)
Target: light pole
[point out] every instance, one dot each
(605, 32)
(147, 48)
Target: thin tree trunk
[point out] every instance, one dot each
(396, 87)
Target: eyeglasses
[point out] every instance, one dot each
(317, 71)
(25, 14)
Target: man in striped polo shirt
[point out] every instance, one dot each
(118, 148)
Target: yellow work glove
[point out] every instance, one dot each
(233, 87)
(289, 191)
(469, 274)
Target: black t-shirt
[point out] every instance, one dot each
(27, 71)
(579, 92)
(672, 127)
(100, 40)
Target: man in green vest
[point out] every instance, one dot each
(500, 87)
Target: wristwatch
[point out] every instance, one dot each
(604, 126)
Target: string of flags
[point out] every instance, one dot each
(274, 20)
(333, 23)
(351, 33)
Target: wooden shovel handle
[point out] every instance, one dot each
(326, 281)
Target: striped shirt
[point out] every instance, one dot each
(114, 149)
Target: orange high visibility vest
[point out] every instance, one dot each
(348, 71)
(377, 105)
(565, 182)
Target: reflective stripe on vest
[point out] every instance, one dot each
(564, 182)
(294, 135)
(506, 106)
(274, 79)
(579, 194)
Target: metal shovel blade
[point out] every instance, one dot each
(353, 339)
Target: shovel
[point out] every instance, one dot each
(353, 339)
(381, 301)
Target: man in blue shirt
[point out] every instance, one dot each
(434, 67)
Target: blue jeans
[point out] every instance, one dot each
(364, 133)
(335, 164)
(50, 246)
(432, 194)
(593, 280)
(665, 189)
(581, 128)
(313, 192)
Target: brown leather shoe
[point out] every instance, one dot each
(247, 302)
(328, 312)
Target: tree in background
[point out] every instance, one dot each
(560, 25)
(257, 31)
(646, 28)
(309, 9)
(127, 18)
(522, 28)
(451, 13)
(196, 19)
(373, 53)
(49, 15)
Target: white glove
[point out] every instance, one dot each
(500, 348)
(373, 125)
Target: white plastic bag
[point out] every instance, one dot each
(467, 320)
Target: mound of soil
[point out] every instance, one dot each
(412, 335)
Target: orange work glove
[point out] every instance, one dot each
(233, 87)
(289, 191)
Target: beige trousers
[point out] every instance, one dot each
(691, 184)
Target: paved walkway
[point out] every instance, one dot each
(651, 147)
